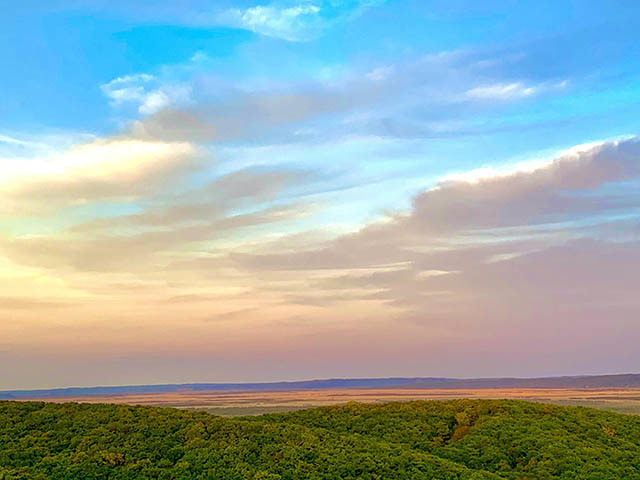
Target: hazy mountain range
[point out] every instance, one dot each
(583, 381)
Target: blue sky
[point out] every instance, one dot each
(545, 76)
(57, 57)
(142, 140)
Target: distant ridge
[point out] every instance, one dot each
(627, 380)
(266, 386)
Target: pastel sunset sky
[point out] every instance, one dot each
(230, 191)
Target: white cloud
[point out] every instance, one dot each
(146, 91)
(13, 141)
(101, 158)
(296, 23)
(380, 73)
(290, 23)
(501, 91)
(100, 169)
(164, 97)
(127, 89)
(513, 90)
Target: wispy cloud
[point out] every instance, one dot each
(13, 141)
(144, 91)
(296, 23)
(501, 91)
(508, 91)
(428, 96)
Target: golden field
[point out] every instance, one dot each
(623, 400)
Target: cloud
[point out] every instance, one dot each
(502, 91)
(106, 251)
(436, 95)
(244, 117)
(166, 224)
(296, 23)
(13, 141)
(174, 126)
(429, 96)
(127, 88)
(212, 202)
(145, 91)
(550, 193)
(103, 168)
(107, 158)
(510, 91)
(569, 188)
(469, 227)
(482, 263)
(26, 303)
(379, 74)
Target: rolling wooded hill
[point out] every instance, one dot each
(444, 440)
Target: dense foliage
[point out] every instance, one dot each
(461, 439)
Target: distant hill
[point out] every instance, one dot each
(269, 386)
(585, 381)
(422, 440)
(628, 380)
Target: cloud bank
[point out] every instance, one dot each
(481, 264)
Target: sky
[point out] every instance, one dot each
(228, 191)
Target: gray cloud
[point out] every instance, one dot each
(168, 225)
(427, 97)
(549, 194)
(105, 252)
(204, 205)
(247, 116)
(174, 125)
(499, 243)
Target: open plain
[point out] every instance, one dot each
(244, 402)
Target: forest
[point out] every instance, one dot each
(444, 440)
